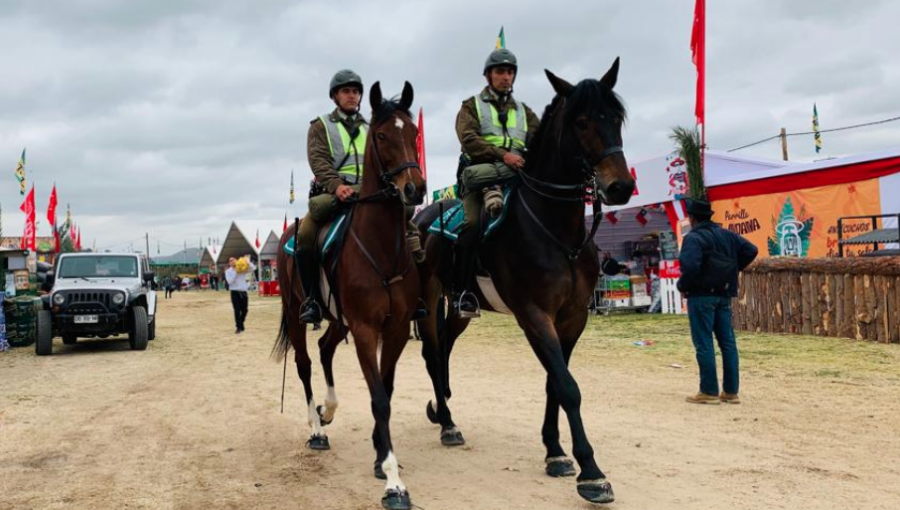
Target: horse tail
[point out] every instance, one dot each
(285, 282)
(283, 342)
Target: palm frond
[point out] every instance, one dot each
(688, 141)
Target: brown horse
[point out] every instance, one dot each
(376, 284)
(542, 262)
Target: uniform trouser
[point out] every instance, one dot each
(239, 302)
(467, 242)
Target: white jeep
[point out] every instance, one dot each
(97, 295)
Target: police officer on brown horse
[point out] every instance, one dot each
(493, 130)
(336, 144)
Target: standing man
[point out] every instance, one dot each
(711, 258)
(237, 282)
(493, 130)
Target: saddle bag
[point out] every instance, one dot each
(478, 177)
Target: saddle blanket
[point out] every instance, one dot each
(334, 232)
(454, 216)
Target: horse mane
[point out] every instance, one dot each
(386, 110)
(588, 97)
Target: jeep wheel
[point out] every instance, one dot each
(151, 330)
(69, 339)
(43, 344)
(138, 336)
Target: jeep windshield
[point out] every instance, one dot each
(100, 266)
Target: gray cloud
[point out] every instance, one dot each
(177, 117)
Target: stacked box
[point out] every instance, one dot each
(21, 313)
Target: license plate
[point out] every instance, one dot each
(86, 319)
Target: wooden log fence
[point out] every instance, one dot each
(852, 297)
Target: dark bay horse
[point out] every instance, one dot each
(543, 262)
(377, 283)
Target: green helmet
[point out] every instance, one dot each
(501, 57)
(343, 78)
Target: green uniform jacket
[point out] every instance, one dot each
(319, 154)
(468, 129)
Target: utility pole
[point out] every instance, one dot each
(147, 239)
(784, 153)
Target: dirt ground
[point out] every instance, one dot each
(194, 422)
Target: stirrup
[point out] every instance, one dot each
(467, 314)
(311, 313)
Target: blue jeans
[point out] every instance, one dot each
(708, 315)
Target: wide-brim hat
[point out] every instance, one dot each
(698, 207)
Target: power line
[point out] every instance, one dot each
(844, 128)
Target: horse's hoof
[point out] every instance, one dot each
(431, 413)
(379, 473)
(394, 499)
(321, 411)
(560, 466)
(318, 443)
(596, 491)
(452, 437)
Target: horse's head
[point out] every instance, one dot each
(592, 119)
(392, 139)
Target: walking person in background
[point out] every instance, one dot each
(236, 277)
(168, 286)
(711, 258)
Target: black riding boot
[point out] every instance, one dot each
(463, 302)
(311, 310)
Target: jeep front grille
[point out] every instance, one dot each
(88, 302)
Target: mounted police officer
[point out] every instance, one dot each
(336, 144)
(494, 130)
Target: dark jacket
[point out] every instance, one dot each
(700, 240)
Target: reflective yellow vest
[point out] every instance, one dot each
(340, 145)
(513, 139)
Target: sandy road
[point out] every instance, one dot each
(194, 423)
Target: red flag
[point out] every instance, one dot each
(78, 240)
(698, 49)
(257, 239)
(284, 229)
(72, 232)
(641, 216)
(420, 145)
(51, 207)
(57, 243)
(29, 236)
(612, 217)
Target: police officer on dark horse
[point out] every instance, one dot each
(542, 261)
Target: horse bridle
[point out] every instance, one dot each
(587, 170)
(388, 191)
(587, 189)
(386, 179)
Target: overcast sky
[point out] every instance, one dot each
(175, 117)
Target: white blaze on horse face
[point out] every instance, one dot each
(398, 123)
(331, 404)
(392, 470)
(313, 419)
